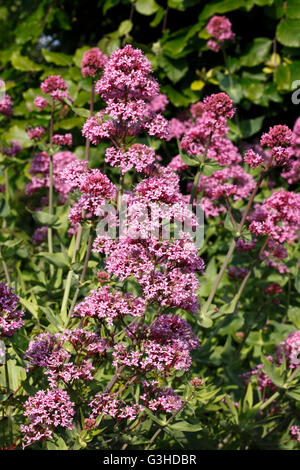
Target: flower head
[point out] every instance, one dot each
(93, 62)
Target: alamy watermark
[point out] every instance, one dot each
(2, 352)
(152, 220)
(296, 93)
(2, 91)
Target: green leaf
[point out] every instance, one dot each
(293, 9)
(252, 90)
(83, 112)
(43, 218)
(248, 400)
(32, 308)
(70, 123)
(249, 127)
(257, 52)
(125, 27)
(188, 160)
(77, 57)
(274, 373)
(175, 70)
(294, 316)
(58, 259)
(228, 224)
(288, 32)
(32, 27)
(176, 97)
(158, 18)
(223, 7)
(231, 86)
(184, 426)
(18, 133)
(54, 320)
(4, 208)
(210, 168)
(57, 58)
(146, 7)
(24, 63)
(205, 321)
(297, 280)
(295, 70)
(282, 77)
(227, 308)
(197, 85)
(294, 393)
(59, 444)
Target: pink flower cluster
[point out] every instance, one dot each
(295, 432)
(288, 349)
(278, 217)
(109, 405)
(46, 411)
(107, 305)
(56, 87)
(40, 235)
(273, 254)
(13, 149)
(236, 273)
(95, 189)
(128, 89)
(242, 245)
(253, 159)
(10, 314)
(291, 171)
(40, 171)
(160, 398)
(175, 286)
(176, 164)
(167, 347)
(230, 181)
(36, 133)
(263, 381)
(159, 102)
(51, 353)
(40, 103)
(61, 140)
(279, 139)
(138, 156)
(207, 135)
(93, 62)
(219, 27)
(6, 105)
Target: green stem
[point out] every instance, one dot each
(63, 310)
(6, 194)
(87, 257)
(195, 185)
(6, 272)
(227, 67)
(218, 278)
(197, 177)
(6, 185)
(79, 232)
(50, 210)
(269, 401)
(233, 242)
(8, 409)
(156, 434)
(92, 101)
